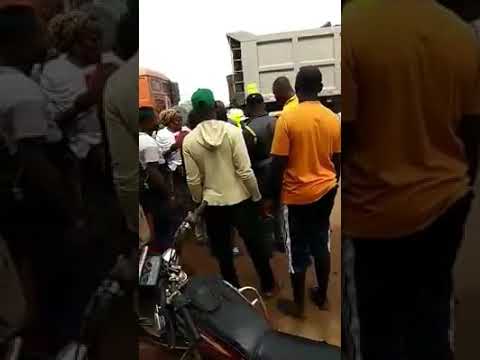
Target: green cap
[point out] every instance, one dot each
(203, 99)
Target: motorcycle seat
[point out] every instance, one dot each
(220, 311)
(279, 346)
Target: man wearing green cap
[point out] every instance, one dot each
(219, 172)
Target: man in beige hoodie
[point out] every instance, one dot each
(219, 172)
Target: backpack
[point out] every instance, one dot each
(251, 139)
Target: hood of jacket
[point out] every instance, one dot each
(211, 134)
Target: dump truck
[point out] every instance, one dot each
(157, 90)
(260, 59)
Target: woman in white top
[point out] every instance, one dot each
(170, 137)
(73, 83)
(170, 140)
(155, 192)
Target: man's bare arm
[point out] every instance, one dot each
(279, 164)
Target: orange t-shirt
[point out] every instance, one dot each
(309, 135)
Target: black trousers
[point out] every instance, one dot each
(245, 217)
(404, 290)
(307, 232)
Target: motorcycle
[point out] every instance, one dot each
(206, 318)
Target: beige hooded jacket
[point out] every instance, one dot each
(217, 165)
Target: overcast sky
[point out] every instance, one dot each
(186, 40)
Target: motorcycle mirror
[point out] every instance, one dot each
(169, 255)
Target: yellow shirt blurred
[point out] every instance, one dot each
(291, 103)
(410, 72)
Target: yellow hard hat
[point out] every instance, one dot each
(236, 116)
(252, 89)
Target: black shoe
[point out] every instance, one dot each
(290, 308)
(295, 308)
(318, 298)
(271, 292)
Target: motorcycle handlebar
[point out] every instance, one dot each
(162, 294)
(193, 217)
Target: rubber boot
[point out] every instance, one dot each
(295, 308)
(319, 294)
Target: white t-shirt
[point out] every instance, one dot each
(63, 82)
(148, 150)
(23, 113)
(165, 139)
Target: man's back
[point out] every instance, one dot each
(409, 74)
(309, 135)
(217, 164)
(263, 126)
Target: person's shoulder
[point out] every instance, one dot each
(229, 127)
(328, 112)
(58, 67)
(289, 112)
(163, 132)
(146, 140)
(18, 88)
(189, 138)
(121, 88)
(354, 11)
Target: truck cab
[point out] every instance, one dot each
(157, 90)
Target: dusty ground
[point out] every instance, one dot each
(318, 325)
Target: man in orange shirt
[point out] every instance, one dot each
(306, 165)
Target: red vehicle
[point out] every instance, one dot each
(156, 90)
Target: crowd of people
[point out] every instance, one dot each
(248, 167)
(61, 191)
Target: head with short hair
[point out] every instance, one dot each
(203, 103)
(22, 36)
(147, 121)
(255, 105)
(77, 33)
(309, 83)
(193, 119)
(282, 89)
(221, 110)
(126, 41)
(171, 119)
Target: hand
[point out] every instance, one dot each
(172, 202)
(267, 207)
